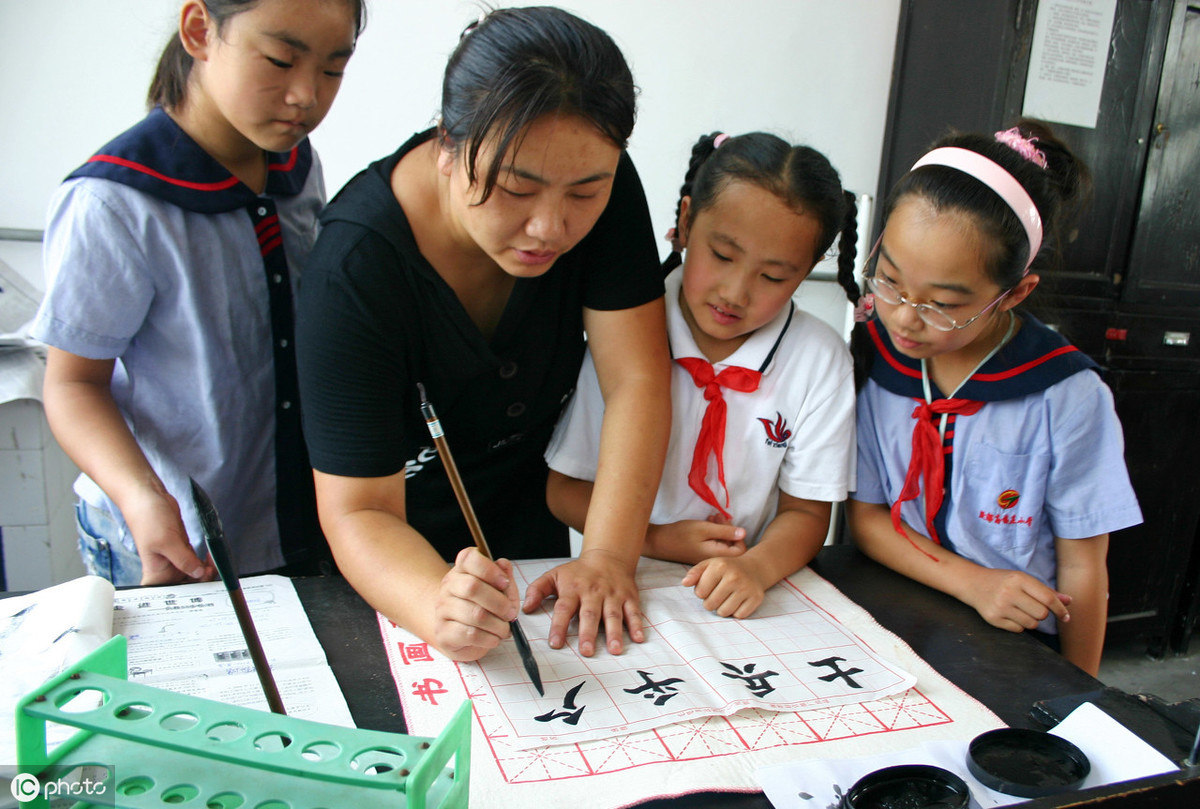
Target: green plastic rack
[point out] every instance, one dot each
(162, 749)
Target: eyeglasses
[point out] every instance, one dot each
(887, 292)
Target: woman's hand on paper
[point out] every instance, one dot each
(599, 587)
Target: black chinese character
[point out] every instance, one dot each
(568, 706)
(757, 683)
(660, 691)
(832, 662)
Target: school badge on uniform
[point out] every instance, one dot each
(777, 431)
(1008, 498)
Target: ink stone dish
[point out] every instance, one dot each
(1026, 763)
(908, 786)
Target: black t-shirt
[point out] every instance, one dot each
(375, 318)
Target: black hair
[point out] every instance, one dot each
(516, 65)
(800, 176)
(168, 88)
(1057, 191)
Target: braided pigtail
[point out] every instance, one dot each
(848, 249)
(701, 151)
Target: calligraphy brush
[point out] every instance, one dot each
(214, 537)
(464, 502)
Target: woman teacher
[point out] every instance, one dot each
(473, 260)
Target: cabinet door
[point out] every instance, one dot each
(1165, 261)
(1148, 563)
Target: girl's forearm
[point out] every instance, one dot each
(90, 428)
(790, 541)
(913, 555)
(1083, 575)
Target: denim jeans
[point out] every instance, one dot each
(101, 547)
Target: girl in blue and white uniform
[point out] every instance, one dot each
(172, 256)
(990, 457)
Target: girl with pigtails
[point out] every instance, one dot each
(762, 428)
(990, 457)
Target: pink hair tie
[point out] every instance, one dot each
(1013, 139)
(719, 139)
(864, 308)
(673, 238)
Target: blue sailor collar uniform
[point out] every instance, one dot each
(1036, 358)
(159, 159)
(156, 156)
(1040, 457)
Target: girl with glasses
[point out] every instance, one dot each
(990, 457)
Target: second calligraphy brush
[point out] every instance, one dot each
(464, 502)
(214, 537)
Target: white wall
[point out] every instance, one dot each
(74, 73)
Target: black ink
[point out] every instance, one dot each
(757, 683)
(832, 662)
(660, 691)
(566, 714)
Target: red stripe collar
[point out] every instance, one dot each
(156, 156)
(1035, 359)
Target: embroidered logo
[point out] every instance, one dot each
(1005, 519)
(1008, 498)
(777, 431)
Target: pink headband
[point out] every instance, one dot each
(996, 178)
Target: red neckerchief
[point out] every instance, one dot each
(927, 461)
(711, 440)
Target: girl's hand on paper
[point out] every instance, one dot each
(693, 541)
(475, 604)
(600, 588)
(728, 586)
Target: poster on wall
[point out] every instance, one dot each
(1067, 60)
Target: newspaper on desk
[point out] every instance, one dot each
(184, 639)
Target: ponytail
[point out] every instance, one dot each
(168, 88)
(701, 151)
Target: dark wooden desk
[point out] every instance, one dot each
(1006, 672)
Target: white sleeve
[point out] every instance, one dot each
(574, 448)
(820, 460)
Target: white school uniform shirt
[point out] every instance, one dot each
(795, 432)
(1043, 457)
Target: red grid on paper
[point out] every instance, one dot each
(712, 737)
(688, 740)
